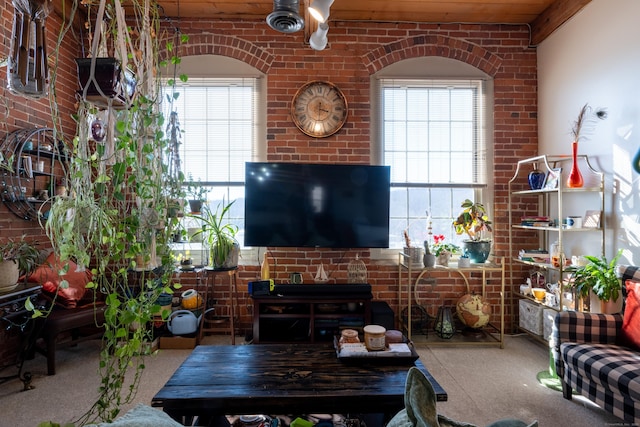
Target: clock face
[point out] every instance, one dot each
(319, 109)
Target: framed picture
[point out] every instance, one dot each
(591, 219)
(553, 177)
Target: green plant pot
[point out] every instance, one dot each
(478, 251)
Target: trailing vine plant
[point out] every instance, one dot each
(114, 220)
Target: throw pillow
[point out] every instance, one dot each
(141, 416)
(630, 333)
(420, 407)
(47, 274)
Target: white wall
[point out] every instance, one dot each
(595, 58)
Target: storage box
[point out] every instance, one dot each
(531, 316)
(177, 342)
(548, 315)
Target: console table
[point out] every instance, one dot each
(308, 318)
(493, 332)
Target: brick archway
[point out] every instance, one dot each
(434, 45)
(232, 47)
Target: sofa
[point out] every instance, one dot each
(598, 355)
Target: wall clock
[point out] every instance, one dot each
(319, 109)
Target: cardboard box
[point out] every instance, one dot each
(531, 316)
(548, 315)
(176, 342)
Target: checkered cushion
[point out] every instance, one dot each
(589, 361)
(609, 367)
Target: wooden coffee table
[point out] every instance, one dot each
(283, 379)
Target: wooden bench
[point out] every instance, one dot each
(72, 320)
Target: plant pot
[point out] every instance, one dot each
(230, 261)
(195, 206)
(478, 251)
(429, 260)
(444, 258)
(110, 80)
(9, 275)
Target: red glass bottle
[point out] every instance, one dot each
(575, 177)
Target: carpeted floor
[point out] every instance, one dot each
(483, 384)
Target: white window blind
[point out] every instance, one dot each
(434, 138)
(219, 119)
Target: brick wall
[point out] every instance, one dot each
(354, 53)
(17, 112)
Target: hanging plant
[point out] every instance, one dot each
(118, 197)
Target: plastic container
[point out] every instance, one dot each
(374, 337)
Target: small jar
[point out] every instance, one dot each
(374, 337)
(349, 336)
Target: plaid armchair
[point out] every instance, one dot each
(590, 361)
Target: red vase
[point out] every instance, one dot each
(575, 177)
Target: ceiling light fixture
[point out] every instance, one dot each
(319, 9)
(318, 40)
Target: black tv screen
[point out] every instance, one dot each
(316, 205)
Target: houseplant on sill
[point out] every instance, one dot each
(16, 257)
(224, 249)
(600, 277)
(443, 251)
(196, 195)
(474, 222)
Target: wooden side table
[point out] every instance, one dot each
(222, 323)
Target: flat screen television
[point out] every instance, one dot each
(316, 205)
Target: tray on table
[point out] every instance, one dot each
(393, 354)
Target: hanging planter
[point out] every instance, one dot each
(108, 81)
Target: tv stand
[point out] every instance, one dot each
(309, 317)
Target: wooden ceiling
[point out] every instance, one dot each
(544, 16)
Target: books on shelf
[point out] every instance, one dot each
(534, 255)
(535, 221)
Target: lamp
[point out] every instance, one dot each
(318, 40)
(319, 9)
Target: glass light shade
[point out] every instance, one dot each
(320, 10)
(318, 39)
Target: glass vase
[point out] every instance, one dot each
(575, 177)
(536, 178)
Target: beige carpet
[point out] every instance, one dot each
(483, 384)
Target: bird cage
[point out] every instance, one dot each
(356, 271)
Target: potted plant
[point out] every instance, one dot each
(600, 277)
(443, 251)
(16, 257)
(196, 195)
(474, 222)
(224, 249)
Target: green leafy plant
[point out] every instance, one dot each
(472, 221)
(218, 234)
(122, 191)
(22, 252)
(195, 190)
(599, 276)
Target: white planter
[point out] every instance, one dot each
(9, 275)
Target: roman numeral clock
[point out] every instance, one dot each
(319, 109)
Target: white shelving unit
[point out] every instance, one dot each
(557, 203)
